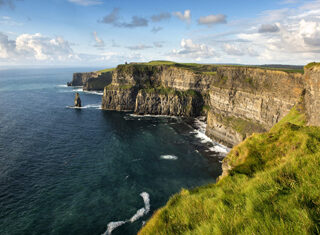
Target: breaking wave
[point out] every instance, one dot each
(140, 213)
(168, 157)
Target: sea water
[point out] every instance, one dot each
(88, 171)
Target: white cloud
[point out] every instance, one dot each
(86, 2)
(191, 50)
(239, 50)
(35, 47)
(186, 16)
(99, 42)
(212, 20)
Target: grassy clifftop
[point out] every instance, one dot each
(273, 187)
(208, 69)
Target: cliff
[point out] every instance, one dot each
(272, 187)
(238, 100)
(156, 89)
(92, 80)
(244, 100)
(312, 95)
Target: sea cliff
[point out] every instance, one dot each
(237, 100)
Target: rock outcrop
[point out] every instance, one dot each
(93, 81)
(162, 90)
(312, 95)
(77, 101)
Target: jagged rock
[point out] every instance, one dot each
(77, 101)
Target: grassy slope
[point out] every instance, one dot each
(208, 69)
(274, 188)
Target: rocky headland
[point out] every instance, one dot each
(269, 116)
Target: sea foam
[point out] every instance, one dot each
(168, 157)
(140, 213)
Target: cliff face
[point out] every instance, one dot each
(312, 96)
(247, 100)
(162, 90)
(238, 100)
(91, 81)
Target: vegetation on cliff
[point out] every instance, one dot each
(272, 187)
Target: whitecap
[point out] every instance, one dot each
(146, 200)
(62, 85)
(140, 213)
(112, 226)
(88, 106)
(94, 92)
(220, 148)
(152, 116)
(168, 157)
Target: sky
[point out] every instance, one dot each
(109, 32)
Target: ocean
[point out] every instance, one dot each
(89, 171)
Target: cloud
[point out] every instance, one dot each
(8, 3)
(212, 20)
(139, 47)
(186, 16)
(160, 17)
(114, 44)
(35, 47)
(156, 29)
(136, 21)
(191, 50)
(114, 19)
(269, 28)
(99, 42)
(7, 20)
(239, 50)
(86, 2)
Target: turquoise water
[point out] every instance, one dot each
(69, 171)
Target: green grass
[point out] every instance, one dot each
(273, 188)
(310, 65)
(106, 70)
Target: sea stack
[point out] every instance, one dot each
(77, 100)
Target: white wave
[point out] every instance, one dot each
(151, 115)
(146, 200)
(168, 157)
(78, 89)
(200, 134)
(112, 226)
(88, 106)
(94, 92)
(140, 213)
(62, 85)
(220, 148)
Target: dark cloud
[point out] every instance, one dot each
(160, 17)
(136, 21)
(156, 29)
(269, 28)
(212, 19)
(114, 19)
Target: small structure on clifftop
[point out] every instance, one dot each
(77, 100)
